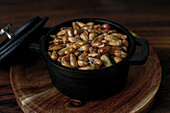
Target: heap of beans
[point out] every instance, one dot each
(88, 46)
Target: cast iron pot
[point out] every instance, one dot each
(99, 83)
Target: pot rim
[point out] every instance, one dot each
(112, 24)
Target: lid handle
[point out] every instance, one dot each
(5, 30)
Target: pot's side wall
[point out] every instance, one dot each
(89, 88)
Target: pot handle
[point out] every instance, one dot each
(35, 46)
(139, 60)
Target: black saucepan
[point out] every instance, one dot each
(99, 83)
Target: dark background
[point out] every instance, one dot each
(148, 18)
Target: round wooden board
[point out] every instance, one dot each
(34, 91)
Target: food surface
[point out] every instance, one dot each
(88, 46)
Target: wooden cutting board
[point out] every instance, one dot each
(34, 91)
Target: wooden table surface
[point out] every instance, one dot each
(148, 18)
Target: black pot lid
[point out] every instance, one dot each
(13, 41)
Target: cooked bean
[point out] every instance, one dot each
(106, 60)
(62, 32)
(112, 31)
(123, 54)
(77, 45)
(78, 37)
(90, 23)
(54, 55)
(84, 48)
(124, 48)
(107, 55)
(84, 37)
(92, 35)
(75, 26)
(93, 49)
(57, 43)
(56, 40)
(117, 53)
(106, 26)
(83, 56)
(111, 37)
(71, 49)
(105, 41)
(104, 30)
(69, 44)
(53, 36)
(77, 52)
(59, 59)
(115, 43)
(77, 31)
(93, 55)
(73, 61)
(67, 51)
(117, 59)
(98, 39)
(98, 44)
(125, 43)
(73, 39)
(112, 50)
(95, 60)
(103, 50)
(86, 27)
(65, 63)
(51, 42)
(121, 36)
(65, 39)
(97, 26)
(69, 32)
(66, 58)
(61, 52)
(49, 53)
(56, 47)
(63, 28)
(81, 24)
(82, 63)
(93, 31)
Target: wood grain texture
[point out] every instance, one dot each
(149, 18)
(35, 93)
(8, 103)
